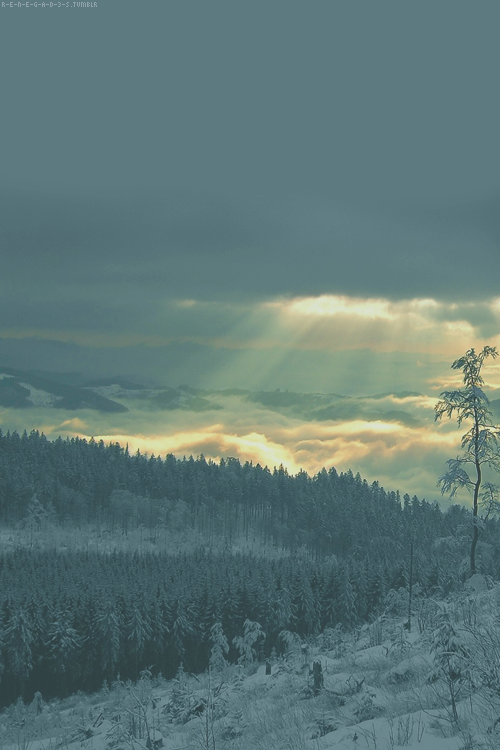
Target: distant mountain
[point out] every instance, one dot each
(290, 400)
(122, 382)
(179, 398)
(20, 390)
(331, 406)
(23, 389)
(399, 394)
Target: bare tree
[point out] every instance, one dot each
(480, 444)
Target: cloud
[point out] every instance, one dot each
(145, 247)
(325, 322)
(403, 325)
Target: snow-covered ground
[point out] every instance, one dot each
(381, 688)
(116, 391)
(100, 538)
(39, 397)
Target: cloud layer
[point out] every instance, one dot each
(396, 443)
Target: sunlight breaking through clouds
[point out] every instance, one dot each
(330, 322)
(408, 325)
(326, 322)
(333, 305)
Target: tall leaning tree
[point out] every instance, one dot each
(480, 444)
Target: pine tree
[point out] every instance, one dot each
(156, 645)
(220, 648)
(179, 628)
(304, 606)
(137, 633)
(228, 618)
(38, 618)
(36, 516)
(18, 642)
(87, 616)
(108, 634)
(375, 590)
(248, 644)
(347, 601)
(283, 607)
(63, 649)
(330, 598)
(451, 657)
(180, 700)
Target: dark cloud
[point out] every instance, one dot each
(479, 315)
(203, 246)
(228, 150)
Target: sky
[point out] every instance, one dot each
(258, 195)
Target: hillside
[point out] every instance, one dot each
(137, 572)
(377, 686)
(86, 483)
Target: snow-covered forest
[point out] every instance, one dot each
(86, 484)
(131, 580)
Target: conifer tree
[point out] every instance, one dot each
(282, 607)
(38, 618)
(347, 599)
(137, 633)
(63, 649)
(181, 698)
(154, 651)
(248, 644)
(18, 642)
(375, 589)
(304, 607)
(451, 657)
(107, 632)
(179, 628)
(220, 648)
(330, 601)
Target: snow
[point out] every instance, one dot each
(408, 668)
(39, 397)
(116, 391)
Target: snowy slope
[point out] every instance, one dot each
(383, 688)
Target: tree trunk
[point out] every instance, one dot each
(475, 530)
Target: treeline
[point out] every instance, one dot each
(80, 482)
(69, 621)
